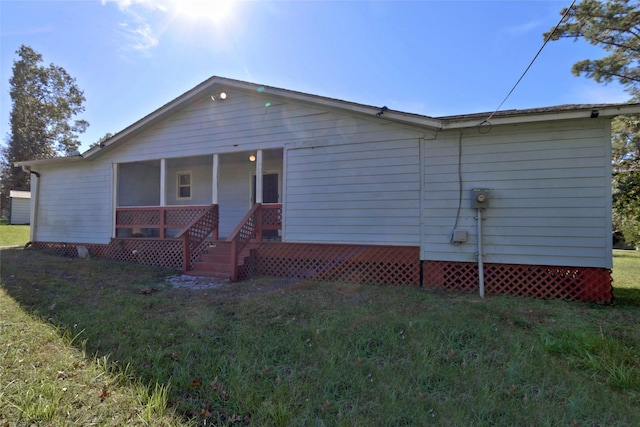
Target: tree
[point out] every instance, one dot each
(626, 204)
(45, 100)
(625, 142)
(613, 25)
(100, 142)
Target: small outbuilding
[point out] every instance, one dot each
(19, 207)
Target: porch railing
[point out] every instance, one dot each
(155, 221)
(260, 217)
(197, 232)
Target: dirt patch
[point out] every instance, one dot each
(225, 289)
(195, 283)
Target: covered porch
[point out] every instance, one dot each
(218, 201)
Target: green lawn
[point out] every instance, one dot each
(626, 269)
(92, 342)
(626, 276)
(13, 235)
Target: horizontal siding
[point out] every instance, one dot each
(358, 193)
(74, 204)
(550, 194)
(20, 210)
(240, 123)
(243, 123)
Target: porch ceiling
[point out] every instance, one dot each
(267, 155)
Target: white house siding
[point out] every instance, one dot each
(240, 123)
(243, 124)
(365, 191)
(550, 194)
(20, 207)
(75, 203)
(233, 128)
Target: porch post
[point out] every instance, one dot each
(259, 176)
(114, 197)
(163, 196)
(214, 183)
(163, 182)
(33, 205)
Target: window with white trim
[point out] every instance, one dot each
(184, 185)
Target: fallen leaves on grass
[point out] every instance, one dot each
(104, 394)
(220, 387)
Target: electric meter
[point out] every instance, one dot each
(479, 198)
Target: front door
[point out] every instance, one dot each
(269, 188)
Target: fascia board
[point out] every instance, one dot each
(338, 104)
(603, 112)
(55, 160)
(152, 118)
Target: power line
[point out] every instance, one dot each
(530, 63)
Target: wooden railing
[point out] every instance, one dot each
(154, 221)
(197, 232)
(260, 217)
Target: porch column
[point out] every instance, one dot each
(33, 205)
(215, 177)
(163, 197)
(259, 176)
(163, 182)
(114, 198)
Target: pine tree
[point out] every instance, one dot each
(614, 25)
(45, 100)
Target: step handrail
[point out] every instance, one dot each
(196, 232)
(246, 230)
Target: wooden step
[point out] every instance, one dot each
(216, 260)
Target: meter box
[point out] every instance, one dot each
(479, 198)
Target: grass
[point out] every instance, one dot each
(626, 276)
(94, 342)
(13, 235)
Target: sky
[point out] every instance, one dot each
(434, 58)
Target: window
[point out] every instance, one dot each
(184, 185)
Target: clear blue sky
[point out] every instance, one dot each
(426, 57)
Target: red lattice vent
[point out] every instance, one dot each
(568, 283)
(391, 265)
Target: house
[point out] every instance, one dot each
(235, 178)
(19, 207)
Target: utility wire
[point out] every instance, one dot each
(530, 64)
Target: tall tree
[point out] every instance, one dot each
(614, 25)
(45, 100)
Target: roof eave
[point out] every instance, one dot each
(227, 84)
(156, 115)
(58, 160)
(607, 111)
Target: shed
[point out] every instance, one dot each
(19, 207)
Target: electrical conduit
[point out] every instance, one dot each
(480, 264)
